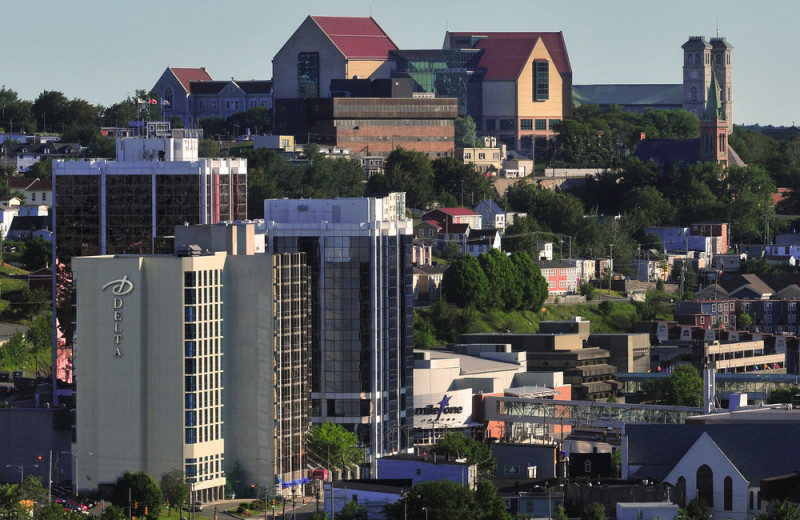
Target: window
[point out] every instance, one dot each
(33, 196)
(44, 196)
(705, 484)
(507, 124)
(541, 80)
(526, 124)
(541, 124)
(308, 75)
(491, 124)
(694, 93)
(721, 143)
(481, 156)
(168, 99)
(554, 123)
(728, 494)
(467, 155)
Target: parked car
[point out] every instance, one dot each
(197, 507)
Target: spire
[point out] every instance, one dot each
(713, 111)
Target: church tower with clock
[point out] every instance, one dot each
(701, 60)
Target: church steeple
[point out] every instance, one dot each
(713, 110)
(713, 127)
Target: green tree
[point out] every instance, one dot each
(16, 352)
(587, 290)
(466, 133)
(144, 492)
(561, 513)
(174, 488)
(112, 512)
(531, 282)
(40, 333)
(683, 387)
(783, 510)
(411, 172)
(37, 253)
(10, 507)
(696, 509)
(456, 444)
(352, 511)
(594, 511)
(448, 501)
(744, 322)
(464, 283)
(501, 275)
(334, 447)
(454, 179)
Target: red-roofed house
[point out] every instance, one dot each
(527, 86)
(325, 48)
(448, 216)
(192, 94)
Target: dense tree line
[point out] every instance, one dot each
(495, 281)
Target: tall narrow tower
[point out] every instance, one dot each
(696, 74)
(723, 69)
(714, 127)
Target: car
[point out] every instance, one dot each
(197, 507)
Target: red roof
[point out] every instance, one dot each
(356, 37)
(456, 212)
(507, 52)
(187, 75)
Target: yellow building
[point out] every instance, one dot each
(527, 86)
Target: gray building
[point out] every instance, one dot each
(359, 253)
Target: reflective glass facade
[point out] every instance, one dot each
(362, 349)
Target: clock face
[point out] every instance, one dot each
(693, 74)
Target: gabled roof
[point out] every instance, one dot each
(21, 183)
(490, 207)
(506, 52)
(459, 212)
(356, 37)
(255, 86)
(187, 75)
(207, 87)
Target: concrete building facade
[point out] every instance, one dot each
(195, 363)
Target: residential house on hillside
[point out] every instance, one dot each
(192, 94)
(36, 191)
(561, 276)
(482, 241)
(449, 216)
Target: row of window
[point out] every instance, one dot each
(510, 125)
(715, 59)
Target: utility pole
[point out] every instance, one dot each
(610, 266)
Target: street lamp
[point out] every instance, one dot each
(426, 512)
(75, 481)
(21, 468)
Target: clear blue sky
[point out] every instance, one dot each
(103, 50)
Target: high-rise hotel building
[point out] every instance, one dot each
(130, 204)
(193, 361)
(359, 255)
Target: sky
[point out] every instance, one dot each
(102, 51)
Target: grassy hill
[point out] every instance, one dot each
(439, 324)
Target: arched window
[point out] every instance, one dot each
(680, 489)
(758, 500)
(727, 485)
(697, 58)
(694, 93)
(752, 496)
(168, 99)
(689, 58)
(719, 59)
(705, 484)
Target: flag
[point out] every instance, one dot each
(140, 101)
(658, 369)
(766, 367)
(775, 365)
(164, 102)
(755, 367)
(153, 101)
